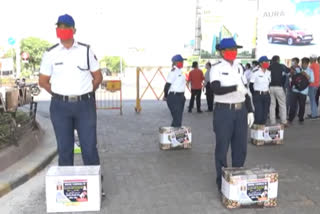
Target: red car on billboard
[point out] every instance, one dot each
(289, 34)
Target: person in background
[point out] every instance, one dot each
(313, 87)
(209, 94)
(259, 86)
(196, 79)
(248, 71)
(233, 112)
(294, 69)
(174, 91)
(297, 96)
(277, 92)
(318, 91)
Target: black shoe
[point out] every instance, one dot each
(301, 122)
(190, 111)
(208, 110)
(199, 111)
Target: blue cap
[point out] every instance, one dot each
(177, 58)
(66, 19)
(263, 59)
(227, 43)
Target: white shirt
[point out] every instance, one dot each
(177, 80)
(248, 74)
(68, 69)
(261, 80)
(228, 75)
(207, 77)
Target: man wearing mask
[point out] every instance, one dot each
(70, 73)
(233, 112)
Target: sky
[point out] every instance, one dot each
(109, 26)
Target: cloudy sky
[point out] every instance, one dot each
(109, 26)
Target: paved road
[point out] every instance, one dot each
(139, 178)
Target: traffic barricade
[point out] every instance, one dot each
(149, 81)
(109, 95)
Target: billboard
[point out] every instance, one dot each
(289, 29)
(228, 18)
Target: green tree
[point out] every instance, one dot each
(35, 48)
(112, 63)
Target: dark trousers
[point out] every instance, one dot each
(82, 116)
(261, 104)
(175, 104)
(209, 96)
(195, 93)
(230, 127)
(317, 96)
(295, 99)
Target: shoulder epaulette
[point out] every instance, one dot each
(80, 43)
(216, 63)
(52, 47)
(88, 47)
(173, 69)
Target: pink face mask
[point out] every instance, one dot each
(265, 65)
(179, 65)
(230, 55)
(64, 33)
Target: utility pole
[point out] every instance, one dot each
(197, 41)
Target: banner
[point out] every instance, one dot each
(288, 28)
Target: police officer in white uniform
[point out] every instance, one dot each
(259, 87)
(174, 90)
(233, 112)
(70, 73)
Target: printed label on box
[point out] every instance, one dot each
(180, 135)
(72, 191)
(257, 190)
(272, 133)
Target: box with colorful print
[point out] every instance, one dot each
(261, 134)
(73, 188)
(243, 187)
(175, 138)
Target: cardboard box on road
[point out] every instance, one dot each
(243, 187)
(169, 134)
(73, 188)
(262, 135)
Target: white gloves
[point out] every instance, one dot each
(242, 88)
(250, 119)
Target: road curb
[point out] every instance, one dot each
(38, 159)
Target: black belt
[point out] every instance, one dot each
(261, 92)
(177, 93)
(233, 106)
(73, 98)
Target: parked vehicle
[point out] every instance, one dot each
(290, 34)
(34, 88)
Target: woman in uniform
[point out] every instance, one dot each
(259, 87)
(174, 90)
